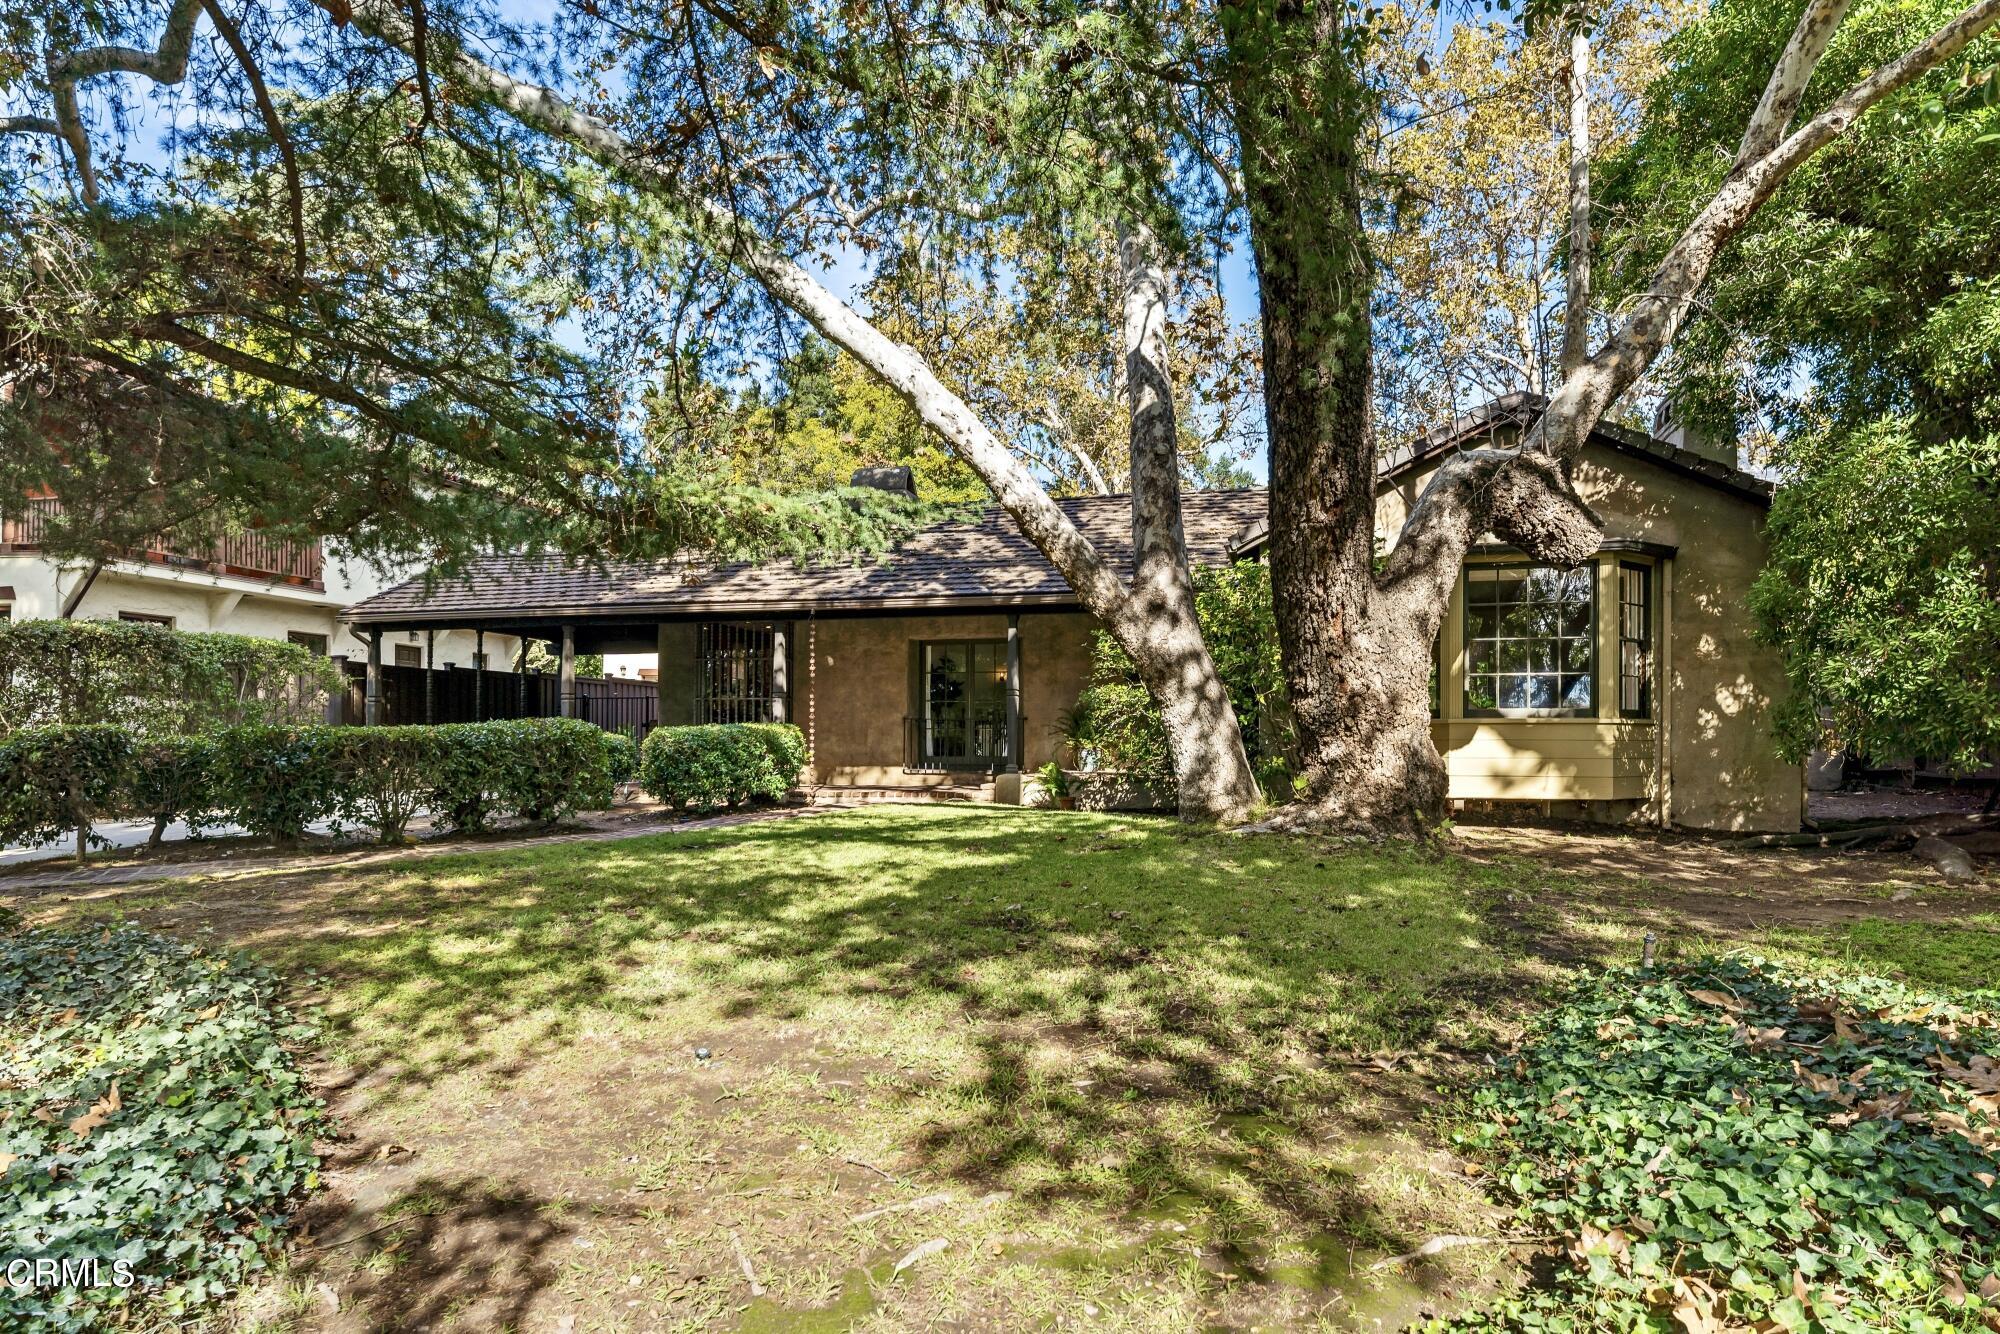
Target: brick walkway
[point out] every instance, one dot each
(88, 877)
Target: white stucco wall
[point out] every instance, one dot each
(198, 600)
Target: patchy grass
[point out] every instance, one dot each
(1128, 1074)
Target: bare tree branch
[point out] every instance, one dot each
(1656, 316)
(166, 64)
(1576, 312)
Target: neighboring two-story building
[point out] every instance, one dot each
(246, 585)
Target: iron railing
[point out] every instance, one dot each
(246, 555)
(944, 743)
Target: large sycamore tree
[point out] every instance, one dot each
(762, 139)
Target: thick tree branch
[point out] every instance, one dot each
(1657, 314)
(167, 64)
(1523, 498)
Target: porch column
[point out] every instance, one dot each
(479, 676)
(430, 666)
(521, 680)
(781, 676)
(660, 712)
(566, 676)
(1013, 693)
(371, 714)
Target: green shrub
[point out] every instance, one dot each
(151, 1113)
(171, 778)
(621, 752)
(787, 747)
(555, 767)
(57, 781)
(710, 765)
(468, 772)
(275, 780)
(152, 679)
(1743, 1147)
(386, 774)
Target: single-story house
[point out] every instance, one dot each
(1630, 689)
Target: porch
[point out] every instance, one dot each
(955, 704)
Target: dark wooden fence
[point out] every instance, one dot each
(462, 695)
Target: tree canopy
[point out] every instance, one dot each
(1852, 338)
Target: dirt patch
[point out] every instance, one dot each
(1688, 884)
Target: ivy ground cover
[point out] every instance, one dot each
(155, 1129)
(1728, 1144)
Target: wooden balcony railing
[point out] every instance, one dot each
(245, 555)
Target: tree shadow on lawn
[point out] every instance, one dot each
(1109, 1015)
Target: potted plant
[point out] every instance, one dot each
(1055, 783)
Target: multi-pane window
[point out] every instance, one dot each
(964, 685)
(1530, 640)
(1635, 641)
(306, 640)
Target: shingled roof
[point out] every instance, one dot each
(953, 566)
(950, 566)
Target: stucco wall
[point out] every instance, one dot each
(851, 686)
(197, 600)
(1720, 770)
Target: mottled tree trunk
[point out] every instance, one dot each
(1211, 767)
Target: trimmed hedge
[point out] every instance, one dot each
(276, 781)
(722, 764)
(171, 778)
(153, 679)
(57, 781)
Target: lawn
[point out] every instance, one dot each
(978, 1065)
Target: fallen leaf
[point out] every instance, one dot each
(81, 1126)
(7, 1161)
(1720, 999)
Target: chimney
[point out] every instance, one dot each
(897, 480)
(1667, 428)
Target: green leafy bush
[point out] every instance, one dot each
(721, 764)
(386, 775)
(171, 778)
(1727, 1144)
(275, 780)
(556, 766)
(57, 781)
(787, 747)
(467, 773)
(1115, 724)
(153, 679)
(151, 1114)
(621, 751)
